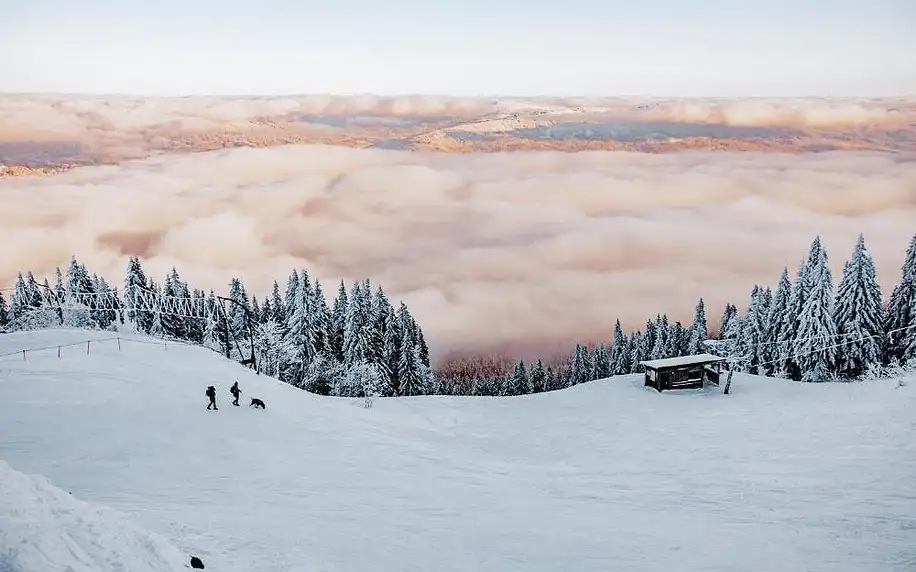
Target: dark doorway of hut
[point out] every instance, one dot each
(684, 372)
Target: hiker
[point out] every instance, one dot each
(211, 393)
(235, 391)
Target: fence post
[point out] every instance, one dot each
(119, 344)
(87, 347)
(58, 352)
(23, 355)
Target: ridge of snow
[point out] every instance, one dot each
(45, 529)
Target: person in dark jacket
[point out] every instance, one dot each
(235, 391)
(211, 393)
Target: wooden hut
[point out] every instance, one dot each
(685, 372)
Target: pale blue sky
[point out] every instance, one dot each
(462, 47)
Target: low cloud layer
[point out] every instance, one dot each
(519, 250)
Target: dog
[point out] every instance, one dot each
(257, 403)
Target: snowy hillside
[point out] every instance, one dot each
(605, 476)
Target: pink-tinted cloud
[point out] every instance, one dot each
(486, 249)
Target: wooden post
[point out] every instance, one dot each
(119, 344)
(728, 382)
(23, 356)
(87, 347)
(58, 352)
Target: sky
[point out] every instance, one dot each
(731, 48)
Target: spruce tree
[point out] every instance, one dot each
(134, 289)
(619, 356)
(410, 369)
(519, 384)
(391, 352)
(4, 313)
(601, 363)
(640, 351)
(538, 377)
(814, 349)
(753, 332)
(728, 313)
(626, 365)
(899, 314)
(858, 314)
(579, 369)
(699, 331)
(773, 342)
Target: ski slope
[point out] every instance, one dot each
(603, 476)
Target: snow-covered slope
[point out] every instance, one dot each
(45, 528)
(604, 476)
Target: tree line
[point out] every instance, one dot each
(360, 345)
(357, 345)
(805, 330)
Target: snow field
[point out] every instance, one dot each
(604, 476)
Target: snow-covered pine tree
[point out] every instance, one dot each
(601, 362)
(239, 311)
(733, 335)
(391, 352)
(619, 356)
(579, 369)
(255, 310)
(789, 328)
(813, 348)
(156, 328)
(776, 317)
(338, 321)
(198, 317)
(753, 332)
(640, 350)
(277, 309)
(801, 291)
(381, 310)
(78, 314)
(105, 316)
(538, 377)
(422, 347)
(321, 322)
(172, 325)
(4, 313)
(650, 334)
(134, 285)
(728, 313)
(909, 352)
(299, 330)
(411, 376)
(214, 331)
(519, 383)
(899, 312)
(678, 340)
(358, 328)
(661, 349)
(269, 347)
(699, 331)
(857, 314)
(626, 365)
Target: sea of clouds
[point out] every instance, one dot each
(515, 250)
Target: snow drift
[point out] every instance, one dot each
(605, 476)
(45, 529)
